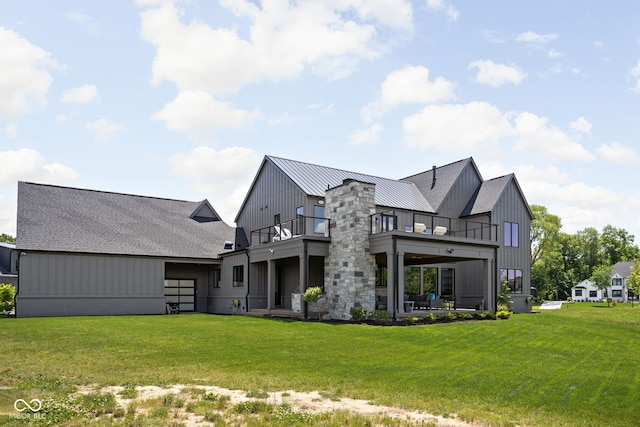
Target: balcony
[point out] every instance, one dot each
(301, 226)
(422, 224)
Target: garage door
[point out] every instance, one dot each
(181, 292)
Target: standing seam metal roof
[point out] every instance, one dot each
(314, 180)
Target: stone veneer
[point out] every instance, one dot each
(350, 269)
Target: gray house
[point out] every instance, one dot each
(356, 235)
(443, 236)
(84, 252)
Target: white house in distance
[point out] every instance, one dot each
(586, 291)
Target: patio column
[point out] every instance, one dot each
(391, 297)
(271, 279)
(489, 285)
(401, 282)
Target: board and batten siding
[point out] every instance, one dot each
(272, 193)
(460, 193)
(511, 207)
(55, 284)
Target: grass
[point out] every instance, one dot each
(575, 366)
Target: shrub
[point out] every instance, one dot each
(462, 315)
(411, 320)
(429, 318)
(252, 407)
(480, 315)
(313, 294)
(447, 317)
(490, 315)
(380, 317)
(502, 314)
(358, 314)
(7, 294)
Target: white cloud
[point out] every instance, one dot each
(553, 53)
(216, 171)
(451, 11)
(92, 27)
(531, 37)
(104, 129)
(197, 113)
(495, 75)
(285, 39)
(460, 127)
(24, 75)
(224, 174)
(80, 95)
(535, 135)
(618, 153)
(469, 127)
(28, 165)
(370, 135)
(581, 125)
(410, 84)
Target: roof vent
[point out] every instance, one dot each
(228, 245)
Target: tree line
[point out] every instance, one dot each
(561, 260)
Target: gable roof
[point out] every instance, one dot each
(488, 194)
(314, 181)
(446, 177)
(622, 268)
(64, 219)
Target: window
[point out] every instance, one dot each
(448, 282)
(578, 292)
(616, 281)
(318, 219)
(216, 278)
(593, 294)
(238, 276)
(180, 293)
(616, 293)
(276, 219)
(514, 279)
(511, 234)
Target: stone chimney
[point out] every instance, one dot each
(350, 269)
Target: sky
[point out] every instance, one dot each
(183, 99)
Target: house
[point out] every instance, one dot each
(586, 291)
(362, 238)
(84, 252)
(355, 235)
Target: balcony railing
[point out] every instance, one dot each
(301, 226)
(413, 222)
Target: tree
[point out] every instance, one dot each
(618, 245)
(633, 282)
(543, 234)
(601, 279)
(6, 238)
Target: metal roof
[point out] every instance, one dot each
(63, 219)
(314, 180)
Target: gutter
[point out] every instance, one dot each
(396, 290)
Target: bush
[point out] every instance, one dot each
(380, 317)
(411, 320)
(358, 314)
(448, 317)
(463, 316)
(502, 314)
(429, 318)
(7, 294)
(313, 294)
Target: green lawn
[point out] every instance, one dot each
(575, 366)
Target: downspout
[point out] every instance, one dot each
(396, 290)
(15, 295)
(246, 297)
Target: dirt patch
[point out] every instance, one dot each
(313, 402)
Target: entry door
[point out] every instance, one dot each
(181, 292)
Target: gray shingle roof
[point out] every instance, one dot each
(487, 196)
(446, 177)
(52, 218)
(314, 180)
(623, 268)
